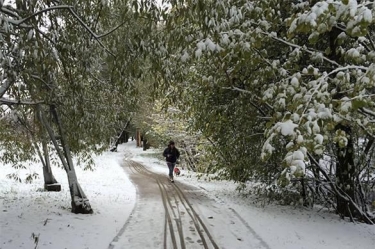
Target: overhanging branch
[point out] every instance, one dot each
(4, 101)
(72, 11)
(96, 37)
(41, 12)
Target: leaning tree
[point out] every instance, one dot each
(63, 78)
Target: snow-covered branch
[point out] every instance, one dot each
(9, 12)
(299, 47)
(346, 68)
(368, 112)
(322, 79)
(4, 87)
(238, 89)
(370, 41)
(4, 101)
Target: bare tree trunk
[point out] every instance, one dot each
(345, 175)
(50, 183)
(145, 143)
(138, 137)
(79, 201)
(121, 136)
(48, 176)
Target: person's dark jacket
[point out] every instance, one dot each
(171, 155)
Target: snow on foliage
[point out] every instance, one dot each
(309, 96)
(298, 72)
(286, 128)
(300, 78)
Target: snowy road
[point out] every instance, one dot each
(176, 215)
(119, 188)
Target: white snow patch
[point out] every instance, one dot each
(287, 127)
(25, 210)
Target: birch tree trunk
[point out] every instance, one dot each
(79, 201)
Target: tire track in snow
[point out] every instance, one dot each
(164, 196)
(197, 221)
(177, 219)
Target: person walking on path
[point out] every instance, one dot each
(171, 155)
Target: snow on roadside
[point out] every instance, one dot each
(25, 210)
(282, 227)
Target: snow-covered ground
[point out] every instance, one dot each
(281, 227)
(24, 210)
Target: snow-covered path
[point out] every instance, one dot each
(234, 221)
(176, 215)
(138, 214)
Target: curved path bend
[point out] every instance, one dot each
(178, 216)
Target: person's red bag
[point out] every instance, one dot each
(176, 171)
